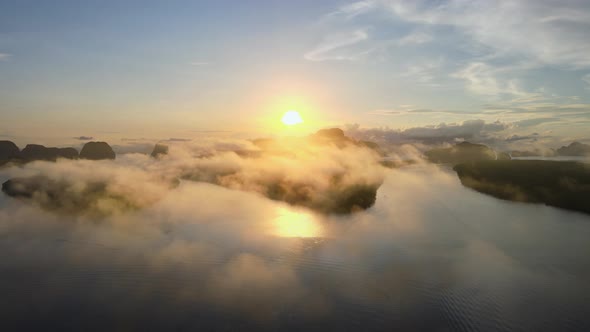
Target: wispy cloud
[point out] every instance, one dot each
(508, 27)
(347, 38)
(424, 72)
(492, 40)
(5, 56)
(84, 138)
(335, 47)
(536, 121)
(484, 79)
(351, 10)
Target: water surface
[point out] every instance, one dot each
(430, 255)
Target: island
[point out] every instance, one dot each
(464, 152)
(10, 154)
(562, 184)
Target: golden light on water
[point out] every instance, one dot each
(297, 224)
(291, 118)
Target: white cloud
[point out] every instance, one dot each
(491, 46)
(342, 44)
(352, 10)
(483, 79)
(337, 47)
(544, 31)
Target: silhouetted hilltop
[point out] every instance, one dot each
(159, 150)
(8, 151)
(556, 183)
(331, 135)
(463, 152)
(33, 152)
(68, 153)
(575, 149)
(97, 151)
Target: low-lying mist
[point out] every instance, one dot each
(333, 176)
(193, 239)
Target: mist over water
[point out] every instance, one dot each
(429, 255)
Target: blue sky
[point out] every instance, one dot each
(166, 67)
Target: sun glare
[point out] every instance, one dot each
(296, 224)
(291, 118)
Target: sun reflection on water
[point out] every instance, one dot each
(290, 223)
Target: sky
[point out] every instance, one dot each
(179, 68)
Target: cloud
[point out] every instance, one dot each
(465, 130)
(491, 51)
(346, 34)
(444, 132)
(4, 56)
(84, 138)
(135, 208)
(351, 10)
(305, 172)
(515, 138)
(483, 79)
(507, 27)
(414, 110)
(424, 72)
(338, 47)
(95, 188)
(536, 121)
(563, 109)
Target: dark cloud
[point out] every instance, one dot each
(84, 138)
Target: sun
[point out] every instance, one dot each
(291, 118)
